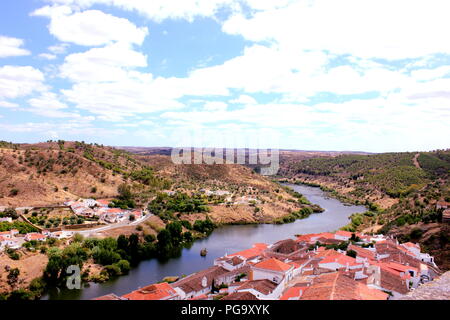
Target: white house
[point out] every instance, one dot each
(90, 202)
(229, 263)
(414, 249)
(199, 283)
(61, 234)
(340, 261)
(272, 269)
(262, 289)
(9, 234)
(342, 235)
(35, 236)
(8, 242)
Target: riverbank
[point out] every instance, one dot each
(224, 239)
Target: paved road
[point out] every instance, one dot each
(115, 226)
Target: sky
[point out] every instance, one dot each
(357, 75)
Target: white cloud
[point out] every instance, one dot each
(244, 99)
(215, 106)
(115, 100)
(60, 48)
(430, 74)
(294, 74)
(382, 124)
(11, 47)
(48, 104)
(6, 104)
(109, 63)
(160, 10)
(17, 81)
(91, 27)
(364, 28)
(47, 56)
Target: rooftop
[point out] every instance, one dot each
(273, 265)
(338, 286)
(264, 286)
(157, 291)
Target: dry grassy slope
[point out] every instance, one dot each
(40, 173)
(203, 175)
(235, 178)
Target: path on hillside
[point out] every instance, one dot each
(416, 163)
(114, 226)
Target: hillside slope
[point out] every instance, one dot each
(53, 172)
(56, 171)
(401, 190)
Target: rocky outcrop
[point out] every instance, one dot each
(438, 289)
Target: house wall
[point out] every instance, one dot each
(274, 295)
(335, 265)
(259, 274)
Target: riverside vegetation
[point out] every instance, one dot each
(401, 195)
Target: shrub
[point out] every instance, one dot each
(351, 253)
(124, 266)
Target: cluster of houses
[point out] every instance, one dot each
(14, 240)
(305, 268)
(90, 208)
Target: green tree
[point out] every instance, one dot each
(351, 253)
(13, 276)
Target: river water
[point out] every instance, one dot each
(227, 239)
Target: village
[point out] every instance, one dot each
(324, 266)
(98, 213)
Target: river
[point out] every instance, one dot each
(227, 239)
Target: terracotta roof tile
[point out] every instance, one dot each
(240, 296)
(338, 286)
(158, 291)
(273, 264)
(264, 286)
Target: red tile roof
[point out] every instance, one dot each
(240, 296)
(293, 292)
(326, 235)
(264, 286)
(338, 286)
(344, 233)
(341, 259)
(273, 264)
(35, 236)
(110, 296)
(114, 210)
(306, 237)
(326, 253)
(400, 267)
(159, 291)
(362, 252)
(411, 245)
(257, 249)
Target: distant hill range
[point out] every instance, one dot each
(53, 172)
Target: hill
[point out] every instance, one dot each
(53, 172)
(401, 191)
